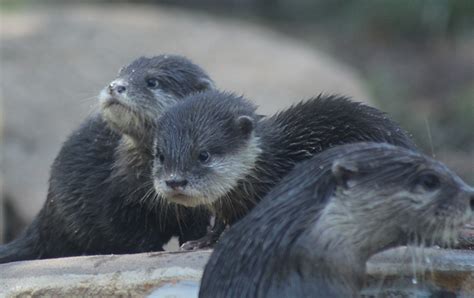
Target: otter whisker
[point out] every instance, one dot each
(145, 185)
(88, 99)
(146, 196)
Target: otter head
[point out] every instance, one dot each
(387, 196)
(131, 103)
(204, 146)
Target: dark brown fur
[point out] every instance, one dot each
(262, 154)
(313, 233)
(100, 198)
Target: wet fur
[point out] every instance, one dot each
(312, 234)
(301, 131)
(279, 142)
(206, 121)
(101, 198)
(134, 113)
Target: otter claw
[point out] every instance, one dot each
(205, 242)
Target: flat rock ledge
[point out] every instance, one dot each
(105, 275)
(390, 273)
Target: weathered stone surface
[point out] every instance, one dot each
(138, 275)
(54, 61)
(129, 275)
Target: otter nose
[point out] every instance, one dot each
(174, 184)
(117, 86)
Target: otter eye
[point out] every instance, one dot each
(429, 182)
(162, 158)
(204, 156)
(152, 83)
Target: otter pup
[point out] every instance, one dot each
(213, 150)
(100, 197)
(314, 232)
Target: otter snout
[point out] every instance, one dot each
(178, 190)
(176, 184)
(117, 87)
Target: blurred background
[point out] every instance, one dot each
(413, 59)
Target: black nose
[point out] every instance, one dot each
(174, 184)
(471, 203)
(113, 87)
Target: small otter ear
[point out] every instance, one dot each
(245, 124)
(344, 172)
(205, 84)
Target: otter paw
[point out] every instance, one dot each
(203, 243)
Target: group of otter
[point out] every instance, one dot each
(304, 196)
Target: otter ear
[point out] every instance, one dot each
(344, 172)
(205, 84)
(245, 124)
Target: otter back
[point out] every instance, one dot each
(214, 150)
(313, 233)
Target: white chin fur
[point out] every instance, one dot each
(186, 199)
(119, 115)
(105, 97)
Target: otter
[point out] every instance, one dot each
(214, 150)
(100, 198)
(313, 233)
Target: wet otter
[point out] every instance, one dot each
(213, 150)
(100, 198)
(313, 233)
(144, 88)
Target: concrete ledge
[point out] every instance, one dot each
(128, 275)
(389, 273)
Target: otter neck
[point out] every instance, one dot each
(274, 160)
(340, 226)
(133, 156)
(337, 259)
(330, 260)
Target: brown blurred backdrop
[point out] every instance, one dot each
(413, 59)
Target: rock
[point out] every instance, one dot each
(58, 59)
(390, 273)
(108, 275)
